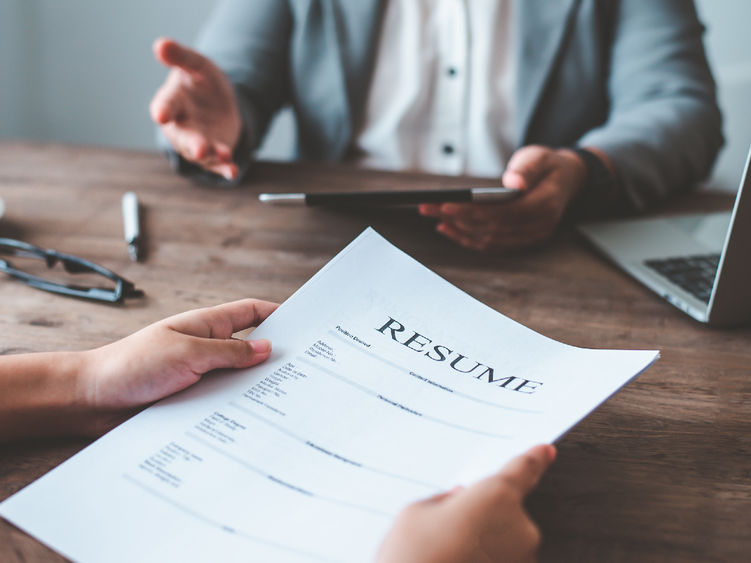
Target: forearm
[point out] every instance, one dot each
(250, 42)
(44, 395)
(664, 128)
(652, 156)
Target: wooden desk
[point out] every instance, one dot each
(661, 472)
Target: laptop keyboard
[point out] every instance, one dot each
(694, 274)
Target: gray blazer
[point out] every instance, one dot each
(629, 77)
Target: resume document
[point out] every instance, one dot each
(386, 385)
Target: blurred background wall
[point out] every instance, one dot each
(81, 71)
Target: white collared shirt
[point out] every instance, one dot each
(441, 96)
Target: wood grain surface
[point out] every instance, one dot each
(660, 472)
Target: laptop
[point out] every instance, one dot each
(700, 263)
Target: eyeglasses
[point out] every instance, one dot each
(122, 288)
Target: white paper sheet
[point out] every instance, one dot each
(386, 384)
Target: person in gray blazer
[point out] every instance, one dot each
(611, 103)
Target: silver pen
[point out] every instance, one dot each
(131, 225)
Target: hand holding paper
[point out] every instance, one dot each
(174, 353)
(370, 401)
(170, 355)
(91, 392)
(484, 522)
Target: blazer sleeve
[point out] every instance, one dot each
(249, 41)
(664, 129)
